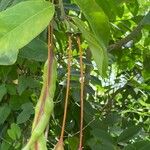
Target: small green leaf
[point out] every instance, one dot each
(14, 132)
(18, 28)
(4, 113)
(129, 133)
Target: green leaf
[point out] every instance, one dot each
(129, 133)
(146, 64)
(27, 111)
(18, 28)
(22, 84)
(133, 7)
(11, 89)
(4, 113)
(17, 101)
(4, 4)
(146, 19)
(98, 51)
(3, 91)
(5, 145)
(111, 119)
(141, 145)
(73, 143)
(95, 144)
(101, 140)
(97, 19)
(35, 50)
(103, 136)
(14, 132)
(26, 82)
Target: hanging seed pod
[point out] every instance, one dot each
(59, 145)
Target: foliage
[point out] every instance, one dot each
(115, 40)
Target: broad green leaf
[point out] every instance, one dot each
(103, 136)
(4, 113)
(96, 144)
(129, 133)
(35, 50)
(17, 101)
(20, 24)
(111, 119)
(98, 51)
(27, 111)
(111, 8)
(3, 91)
(26, 82)
(97, 19)
(14, 132)
(4, 4)
(141, 145)
(11, 89)
(101, 140)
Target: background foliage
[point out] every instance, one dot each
(117, 107)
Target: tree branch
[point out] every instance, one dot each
(128, 38)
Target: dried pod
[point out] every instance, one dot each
(59, 145)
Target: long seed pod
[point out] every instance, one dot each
(44, 107)
(45, 104)
(81, 93)
(59, 145)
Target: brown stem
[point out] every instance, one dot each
(50, 61)
(125, 40)
(81, 94)
(68, 87)
(50, 53)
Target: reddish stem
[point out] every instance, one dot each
(81, 93)
(68, 87)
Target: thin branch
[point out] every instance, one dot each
(127, 39)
